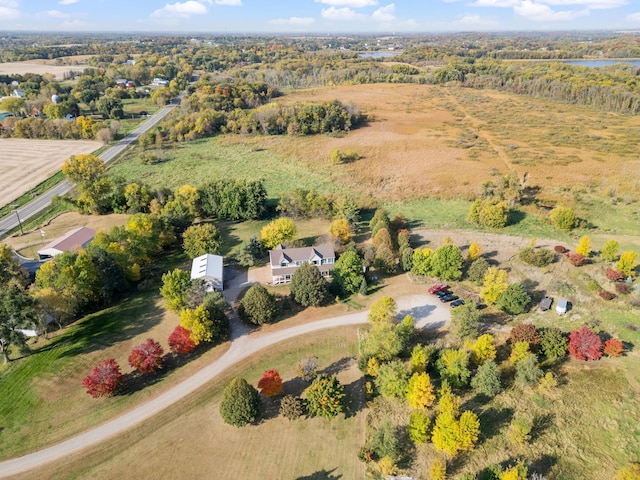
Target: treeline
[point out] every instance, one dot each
(614, 89)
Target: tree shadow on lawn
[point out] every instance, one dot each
(322, 475)
(229, 239)
(100, 330)
(337, 366)
(355, 400)
(492, 420)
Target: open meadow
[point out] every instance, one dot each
(38, 67)
(24, 163)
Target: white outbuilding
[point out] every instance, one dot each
(210, 269)
(70, 242)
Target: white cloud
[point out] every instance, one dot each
(543, 13)
(67, 2)
(181, 9)
(349, 3)
(595, 4)
(475, 21)
(340, 14)
(496, 3)
(229, 3)
(384, 14)
(9, 10)
(294, 21)
(57, 14)
(634, 17)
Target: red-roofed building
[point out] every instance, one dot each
(72, 241)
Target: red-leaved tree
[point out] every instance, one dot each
(525, 332)
(180, 340)
(103, 379)
(575, 258)
(146, 357)
(270, 384)
(585, 344)
(613, 347)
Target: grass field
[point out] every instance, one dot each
(189, 440)
(39, 67)
(25, 163)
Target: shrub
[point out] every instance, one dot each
(613, 347)
(560, 249)
(240, 403)
(477, 270)
(487, 379)
(520, 430)
(308, 368)
(527, 370)
(585, 344)
(454, 367)
(419, 426)
(575, 259)
(622, 288)
(291, 407)
(325, 397)
(270, 384)
(308, 287)
(514, 300)
(614, 275)
(146, 357)
(606, 295)
(563, 218)
(538, 257)
(258, 306)
(392, 379)
(627, 263)
(180, 340)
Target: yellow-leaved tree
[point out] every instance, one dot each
(628, 262)
(584, 247)
(384, 309)
(450, 433)
(197, 321)
(341, 229)
(474, 251)
(420, 391)
(495, 284)
(483, 349)
(277, 232)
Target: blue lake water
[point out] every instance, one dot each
(377, 54)
(601, 63)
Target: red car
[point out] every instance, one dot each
(438, 287)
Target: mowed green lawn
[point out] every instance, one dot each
(189, 440)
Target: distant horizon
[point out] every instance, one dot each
(323, 17)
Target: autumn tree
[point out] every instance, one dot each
(465, 321)
(379, 221)
(477, 270)
(514, 300)
(308, 286)
(419, 359)
(421, 262)
(146, 357)
(325, 397)
(627, 262)
(180, 340)
(270, 384)
(419, 423)
(453, 433)
(240, 403)
(383, 341)
(277, 232)
(453, 365)
(490, 212)
(525, 332)
(201, 239)
(613, 347)
(347, 273)
(585, 344)
(384, 309)
(563, 218)
(104, 379)
(584, 247)
(474, 251)
(341, 229)
(307, 368)
(198, 323)
(392, 379)
(420, 394)
(495, 284)
(175, 288)
(83, 169)
(631, 472)
(487, 379)
(258, 306)
(519, 350)
(610, 250)
(483, 349)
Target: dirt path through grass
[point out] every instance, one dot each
(425, 309)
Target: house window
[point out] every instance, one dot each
(298, 263)
(284, 264)
(330, 260)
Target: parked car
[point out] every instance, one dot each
(438, 287)
(457, 303)
(449, 298)
(442, 293)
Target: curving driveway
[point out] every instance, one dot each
(426, 310)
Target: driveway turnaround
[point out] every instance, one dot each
(426, 311)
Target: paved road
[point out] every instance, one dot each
(43, 201)
(426, 311)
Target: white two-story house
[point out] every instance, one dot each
(285, 261)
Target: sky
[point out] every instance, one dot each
(318, 16)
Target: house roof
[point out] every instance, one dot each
(71, 241)
(303, 254)
(207, 266)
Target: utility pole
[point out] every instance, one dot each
(19, 222)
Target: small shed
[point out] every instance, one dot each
(545, 303)
(70, 242)
(562, 306)
(210, 269)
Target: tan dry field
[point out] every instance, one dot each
(40, 67)
(437, 141)
(25, 163)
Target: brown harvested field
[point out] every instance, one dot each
(436, 141)
(24, 163)
(40, 67)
